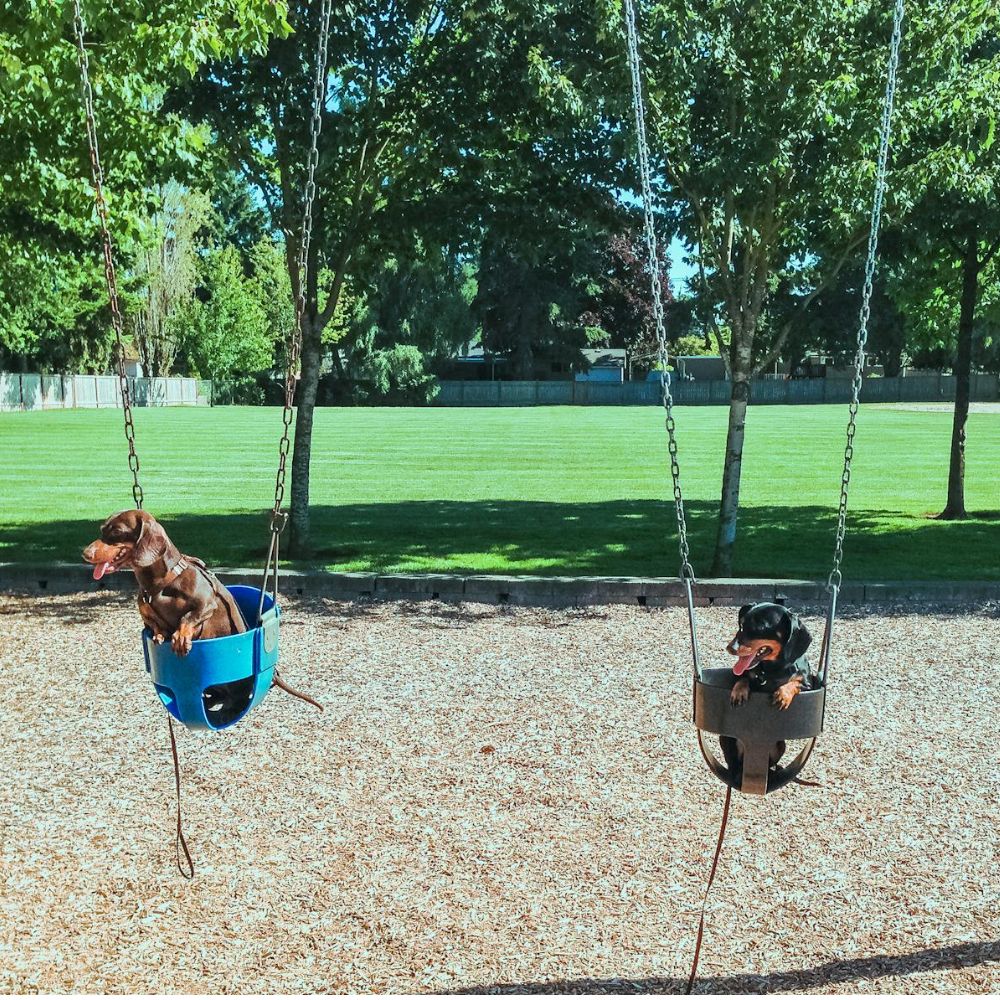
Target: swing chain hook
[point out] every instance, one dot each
(110, 276)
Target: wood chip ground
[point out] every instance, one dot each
(493, 801)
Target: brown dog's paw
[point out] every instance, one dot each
(181, 641)
(159, 638)
(784, 696)
(740, 693)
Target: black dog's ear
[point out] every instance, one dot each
(743, 613)
(799, 641)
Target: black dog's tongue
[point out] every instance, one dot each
(744, 663)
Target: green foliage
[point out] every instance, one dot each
(46, 203)
(424, 300)
(52, 315)
(239, 218)
(950, 172)
(227, 333)
(762, 116)
(395, 376)
(692, 346)
(165, 274)
(273, 288)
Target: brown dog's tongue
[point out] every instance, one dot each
(101, 568)
(743, 664)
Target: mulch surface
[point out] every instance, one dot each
(493, 801)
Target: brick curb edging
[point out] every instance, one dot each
(541, 591)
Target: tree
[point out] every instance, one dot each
(273, 289)
(50, 273)
(166, 273)
(418, 98)
(423, 301)
(766, 121)
(620, 303)
(373, 163)
(238, 218)
(52, 315)
(533, 312)
(953, 167)
(226, 330)
(832, 325)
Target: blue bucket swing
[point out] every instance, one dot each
(221, 680)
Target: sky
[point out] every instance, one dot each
(680, 271)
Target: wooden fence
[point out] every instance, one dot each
(909, 389)
(55, 392)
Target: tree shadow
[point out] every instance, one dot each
(958, 956)
(618, 538)
(74, 609)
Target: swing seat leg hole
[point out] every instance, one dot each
(225, 703)
(169, 700)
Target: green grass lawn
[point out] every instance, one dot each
(555, 490)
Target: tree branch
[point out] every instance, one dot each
(989, 255)
(712, 321)
(779, 344)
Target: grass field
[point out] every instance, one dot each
(560, 490)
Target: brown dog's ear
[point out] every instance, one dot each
(151, 543)
(799, 641)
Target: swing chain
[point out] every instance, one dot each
(110, 277)
(666, 395)
(294, 345)
(836, 576)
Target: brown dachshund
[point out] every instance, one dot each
(179, 599)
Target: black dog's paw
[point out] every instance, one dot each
(740, 692)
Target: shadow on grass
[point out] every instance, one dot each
(956, 956)
(574, 539)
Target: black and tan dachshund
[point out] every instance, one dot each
(770, 646)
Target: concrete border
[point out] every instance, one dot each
(538, 591)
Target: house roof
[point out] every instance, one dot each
(605, 357)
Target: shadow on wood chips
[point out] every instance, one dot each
(956, 956)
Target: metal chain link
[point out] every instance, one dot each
(836, 577)
(294, 345)
(110, 276)
(638, 107)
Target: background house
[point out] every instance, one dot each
(606, 364)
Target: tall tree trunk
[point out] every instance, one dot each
(300, 543)
(955, 508)
(524, 354)
(729, 506)
(893, 360)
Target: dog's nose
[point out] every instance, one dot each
(88, 552)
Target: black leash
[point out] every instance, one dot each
(180, 844)
(711, 879)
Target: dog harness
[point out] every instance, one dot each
(171, 574)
